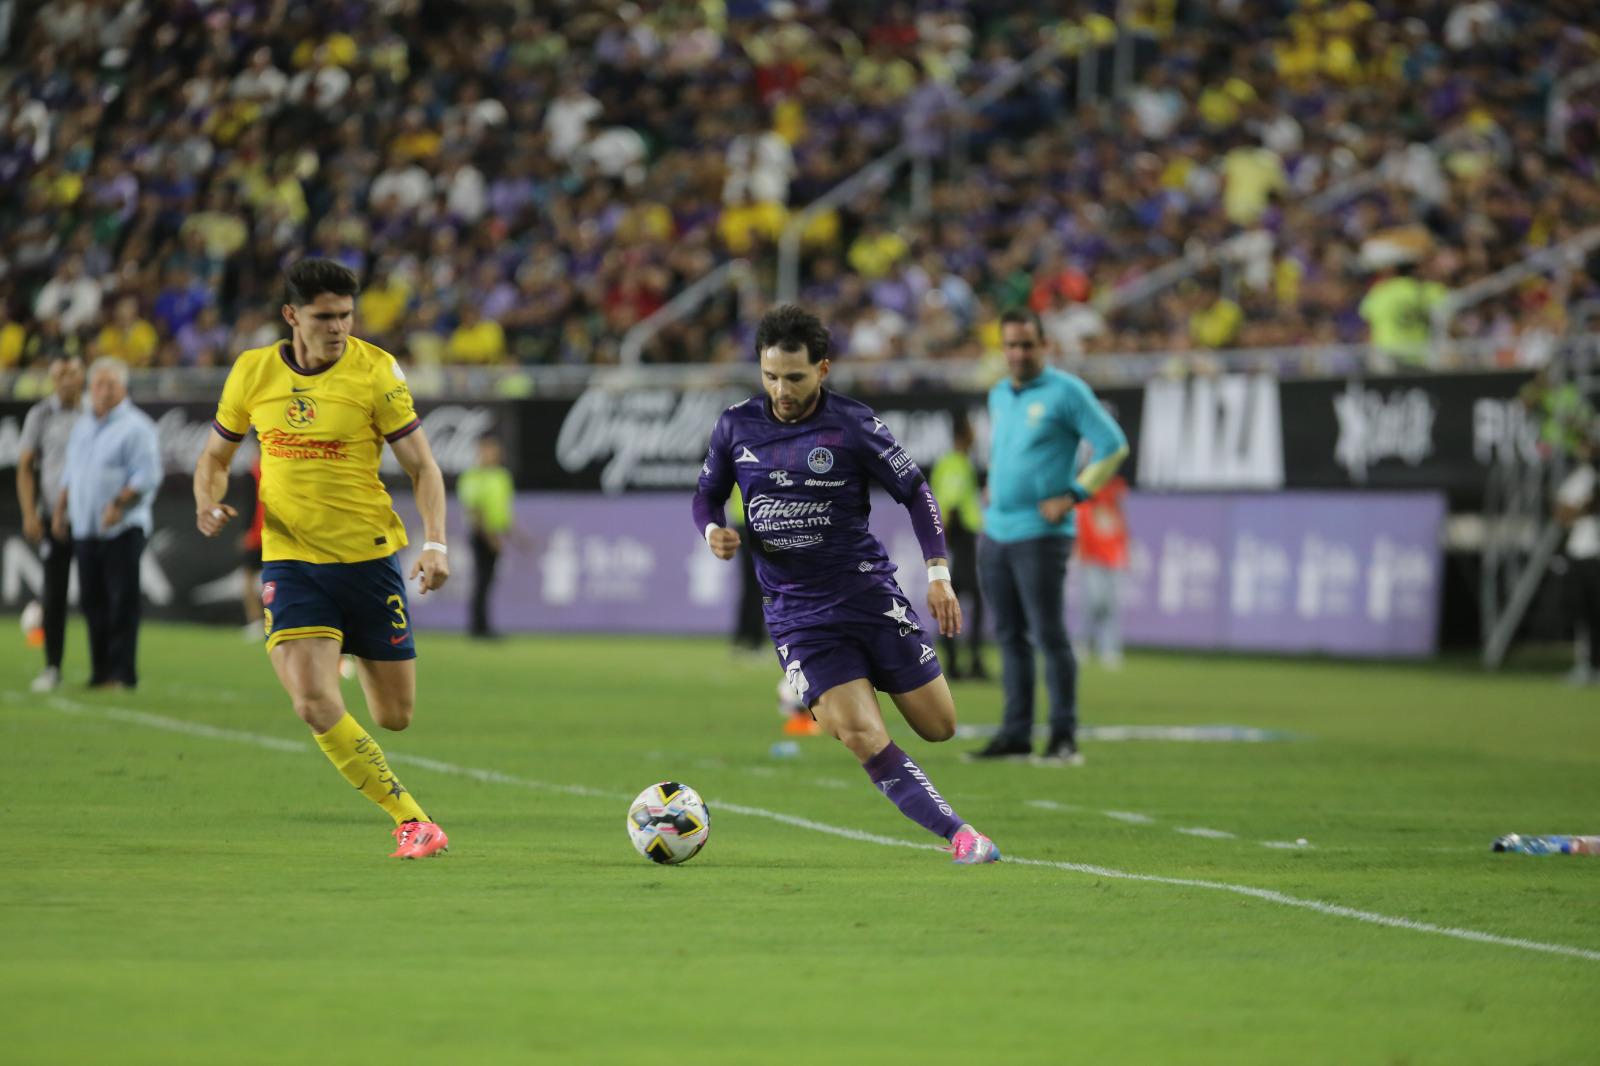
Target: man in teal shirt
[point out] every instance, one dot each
(486, 494)
(1038, 418)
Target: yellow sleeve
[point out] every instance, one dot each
(233, 410)
(393, 410)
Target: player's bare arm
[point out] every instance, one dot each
(27, 496)
(432, 568)
(211, 485)
(942, 600)
(58, 517)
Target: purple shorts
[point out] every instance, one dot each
(876, 636)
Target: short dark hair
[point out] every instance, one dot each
(1023, 316)
(310, 278)
(792, 328)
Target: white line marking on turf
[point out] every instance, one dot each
(1135, 818)
(1192, 734)
(199, 729)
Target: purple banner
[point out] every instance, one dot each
(1343, 573)
(1347, 573)
(584, 562)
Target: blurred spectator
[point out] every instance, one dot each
(41, 468)
(69, 299)
(1103, 552)
(628, 151)
(476, 339)
(202, 342)
(128, 336)
(486, 495)
(1576, 510)
(109, 482)
(958, 489)
(1398, 311)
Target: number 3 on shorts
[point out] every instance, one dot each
(397, 604)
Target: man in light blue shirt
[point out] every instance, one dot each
(1039, 418)
(113, 470)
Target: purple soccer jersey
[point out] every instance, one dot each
(806, 499)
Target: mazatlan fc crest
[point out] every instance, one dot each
(301, 412)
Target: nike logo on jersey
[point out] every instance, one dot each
(397, 640)
(296, 388)
(746, 456)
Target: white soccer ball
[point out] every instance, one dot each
(669, 823)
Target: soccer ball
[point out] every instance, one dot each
(669, 823)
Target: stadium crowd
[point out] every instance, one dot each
(523, 182)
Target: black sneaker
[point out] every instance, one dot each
(1061, 751)
(998, 749)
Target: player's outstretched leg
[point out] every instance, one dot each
(850, 713)
(930, 709)
(309, 670)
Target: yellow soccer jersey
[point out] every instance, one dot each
(321, 435)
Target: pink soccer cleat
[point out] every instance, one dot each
(970, 847)
(418, 840)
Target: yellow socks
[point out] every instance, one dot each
(359, 758)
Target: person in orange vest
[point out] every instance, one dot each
(1103, 552)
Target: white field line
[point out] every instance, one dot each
(1192, 734)
(197, 729)
(1135, 818)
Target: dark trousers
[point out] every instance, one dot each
(57, 556)
(484, 557)
(962, 544)
(1586, 601)
(1026, 585)
(108, 589)
(750, 624)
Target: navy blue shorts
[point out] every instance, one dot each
(876, 636)
(361, 605)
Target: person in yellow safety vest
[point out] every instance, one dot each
(956, 485)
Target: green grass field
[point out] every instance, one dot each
(186, 879)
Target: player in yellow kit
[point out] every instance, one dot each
(322, 404)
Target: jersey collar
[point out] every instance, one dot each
(286, 353)
(1033, 383)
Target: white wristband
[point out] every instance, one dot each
(709, 527)
(938, 573)
(435, 546)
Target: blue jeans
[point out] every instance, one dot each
(1025, 585)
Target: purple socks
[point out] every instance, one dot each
(899, 777)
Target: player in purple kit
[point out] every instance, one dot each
(804, 459)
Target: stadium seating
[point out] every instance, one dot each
(521, 186)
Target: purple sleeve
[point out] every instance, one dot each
(888, 463)
(927, 522)
(716, 481)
